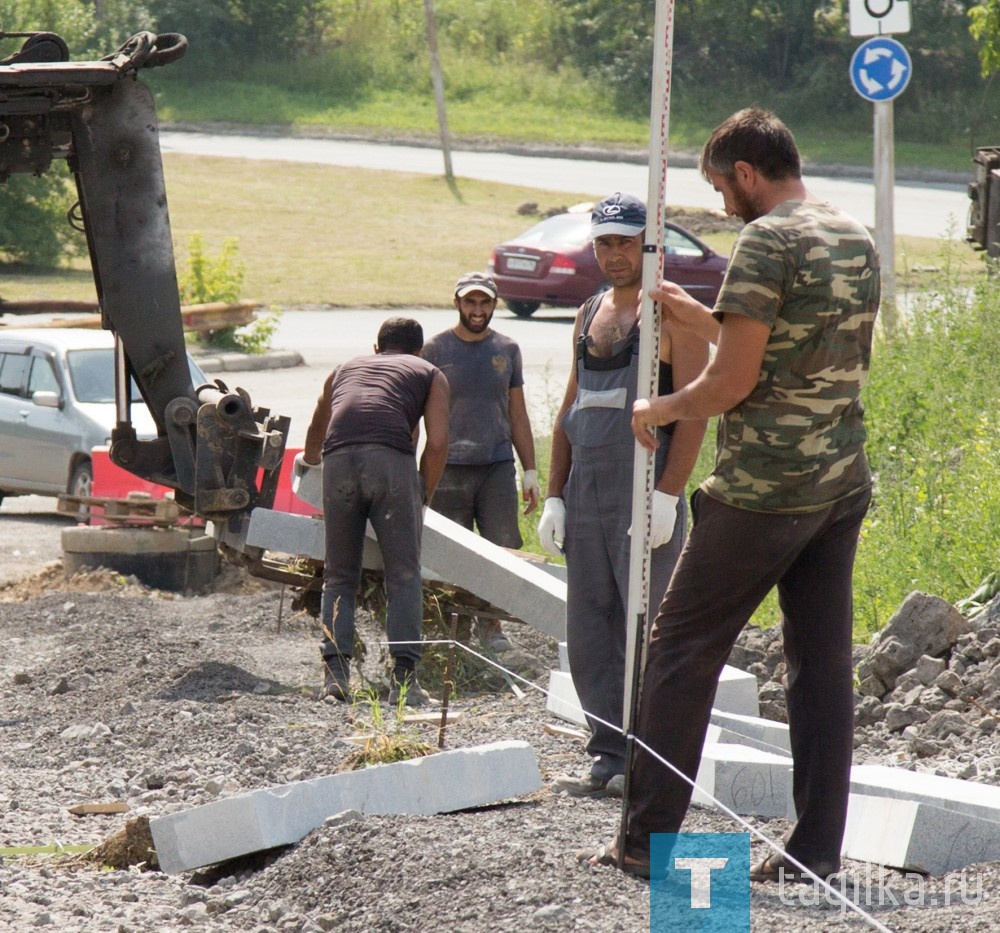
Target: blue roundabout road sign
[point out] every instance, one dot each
(880, 69)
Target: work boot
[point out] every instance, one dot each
(407, 688)
(491, 635)
(336, 677)
(590, 786)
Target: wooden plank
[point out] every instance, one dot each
(47, 306)
(136, 510)
(87, 809)
(217, 315)
(566, 731)
(454, 715)
(214, 315)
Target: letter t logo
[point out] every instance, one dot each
(701, 877)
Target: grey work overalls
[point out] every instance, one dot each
(598, 498)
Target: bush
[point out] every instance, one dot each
(33, 224)
(206, 279)
(933, 438)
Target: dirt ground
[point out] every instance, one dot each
(113, 693)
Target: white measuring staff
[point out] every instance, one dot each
(648, 371)
(649, 343)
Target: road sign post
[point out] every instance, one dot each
(880, 71)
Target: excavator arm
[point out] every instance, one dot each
(219, 453)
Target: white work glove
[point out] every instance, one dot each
(307, 481)
(663, 519)
(531, 492)
(552, 525)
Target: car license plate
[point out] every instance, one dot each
(522, 265)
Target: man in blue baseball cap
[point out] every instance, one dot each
(588, 510)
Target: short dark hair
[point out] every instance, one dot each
(755, 136)
(401, 333)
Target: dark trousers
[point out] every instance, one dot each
(732, 560)
(362, 483)
(481, 497)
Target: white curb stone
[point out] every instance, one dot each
(964, 797)
(917, 836)
(562, 700)
(765, 734)
(276, 816)
(737, 693)
(749, 781)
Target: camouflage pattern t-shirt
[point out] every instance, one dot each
(796, 443)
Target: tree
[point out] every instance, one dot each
(984, 27)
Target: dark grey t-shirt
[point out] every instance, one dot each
(481, 374)
(378, 400)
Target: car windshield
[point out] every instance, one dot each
(563, 228)
(93, 375)
(676, 244)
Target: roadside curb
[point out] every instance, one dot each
(245, 362)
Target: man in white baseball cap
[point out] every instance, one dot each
(489, 423)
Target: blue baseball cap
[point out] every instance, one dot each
(618, 215)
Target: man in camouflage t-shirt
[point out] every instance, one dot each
(783, 506)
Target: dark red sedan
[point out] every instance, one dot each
(553, 263)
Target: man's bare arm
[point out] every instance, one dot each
(688, 359)
(725, 382)
(522, 438)
(312, 452)
(685, 312)
(561, 456)
(436, 425)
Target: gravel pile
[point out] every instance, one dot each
(115, 694)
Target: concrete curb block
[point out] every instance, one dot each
(282, 815)
(917, 836)
(749, 781)
(245, 362)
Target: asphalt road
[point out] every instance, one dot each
(327, 338)
(921, 209)
(30, 527)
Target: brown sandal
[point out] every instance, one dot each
(776, 868)
(608, 855)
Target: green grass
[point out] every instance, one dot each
(566, 113)
(508, 105)
(297, 233)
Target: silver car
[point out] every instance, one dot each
(57, 402)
